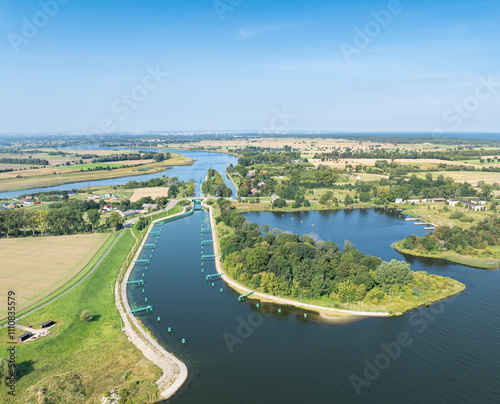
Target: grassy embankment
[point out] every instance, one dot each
(51, 265)
(80, 361)
(424, 289)
(46, 177)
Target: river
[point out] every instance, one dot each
(237, 352)
(204, 161)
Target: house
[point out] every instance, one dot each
(106, 208)
(358, 177)
(261, 184)
(251, 173)
(399, 200)
(29, 200)
(254, 191)
(24, 337)
(264, 171)
(434, 200)
(453, 202)
(413, 201)
(71, 193)
(473, 205)
(11, 206)
(479, 202)
(149, 206)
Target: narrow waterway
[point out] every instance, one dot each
(237, 352)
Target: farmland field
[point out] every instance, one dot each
(36, 266)
(152, 192)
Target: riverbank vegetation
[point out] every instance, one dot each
(214, 185)
(478, 246)
(302, 268)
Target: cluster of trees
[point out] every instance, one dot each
(133, 156)
(10, 160)
(215, 185)
(258, 155)
(463, 241)
(291, 265)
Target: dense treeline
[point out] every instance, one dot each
(291, 265)
(11, 160)
(214, 185)
(258, 155)
(133, 156)
(451, 155)
(467, 242)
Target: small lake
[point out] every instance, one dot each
(237, 352)
(204, 161)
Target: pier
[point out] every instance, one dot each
(148, 309)
(242, 297)
(213, 277)
(135, 283)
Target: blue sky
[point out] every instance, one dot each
(254, 65)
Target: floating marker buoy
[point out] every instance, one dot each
(146, 299)
(159, 319)
(183, 341)
(213, 284)
(169, 329)
(143, 274)
(279, 310)
(143, 291)
(305, 315)
(221, 290)
(202, 270)
(258, 305)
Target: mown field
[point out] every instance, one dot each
(34, 267)
(80, 362)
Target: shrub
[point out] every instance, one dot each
(86, 316)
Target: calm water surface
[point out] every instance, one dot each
(453, 356)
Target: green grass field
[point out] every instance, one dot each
(80, 362)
